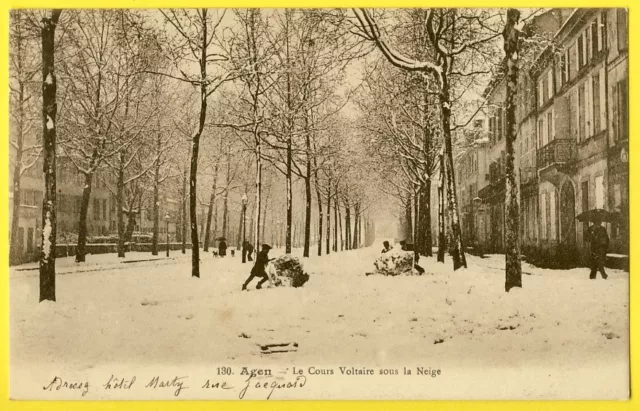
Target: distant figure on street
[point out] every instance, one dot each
(222, 248)
(409, 247)
(258, 269)
(386, 248)
(247, 250)
(598, 244)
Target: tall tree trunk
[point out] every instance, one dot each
(512, 241)
(335, 221)
(456, 248)
(225, 203)
(426, 193)
(426, 228)
(49, 202)
(120, 207)
(441, 204)
(156, 207)
(82, 226)
(356, 225)
(183, 219)
(340, 228)
(307, 210)
(289, 196)
(320, 215)
(212, 201)
(195, 149)
(417, 225)
(258, 206)
(15, 246)
(328, 249)
(347, 225)
(408, 221)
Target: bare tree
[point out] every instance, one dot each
(49, 111)
(512, 234)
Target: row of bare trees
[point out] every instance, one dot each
(271, 86)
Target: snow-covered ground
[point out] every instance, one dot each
(560, 336)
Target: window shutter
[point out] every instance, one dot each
(603, 107)
(588, 112)
(550, 83)
(614, 114)
(587, 33)
(576, 104)
(600, 34)
(553, 124)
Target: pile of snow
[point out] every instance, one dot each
(288, 272)
(395, 262)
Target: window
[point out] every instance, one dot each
(550, 135)
(581, 59)
(620, 110)
(104, 209)
(547, 226)
(500, 126)
(587, 108)
(596, 45)
(581, 119)
(587, 42)
(20, 239)
(585, 206)
(602, 21)
(549, 84)
(595, 87)
(543, 215)
(623, 40)
(565, 67)
(541, 132)
(599, 192)
(30, 243)
(96, 209)
(540, 93)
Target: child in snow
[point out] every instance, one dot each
(258, 269)
(386, 248)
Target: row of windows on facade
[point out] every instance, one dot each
(589, 106)
(589, 97)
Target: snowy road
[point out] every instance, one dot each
(153, 313)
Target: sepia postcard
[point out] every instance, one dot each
(319, 204)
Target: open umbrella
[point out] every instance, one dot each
(599, 214)
(221, 239)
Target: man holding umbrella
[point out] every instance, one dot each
(598, 240)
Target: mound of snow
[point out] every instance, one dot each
(395, 262)
(288, 272)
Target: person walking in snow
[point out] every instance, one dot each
(259, 268)
(598, 244)
(222, 248)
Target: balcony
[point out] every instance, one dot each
(556, 152)
(555, 159)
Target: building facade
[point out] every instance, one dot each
(572, 143)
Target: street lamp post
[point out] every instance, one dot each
(244, 226)
(166, 219)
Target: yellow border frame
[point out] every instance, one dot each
(5, 404)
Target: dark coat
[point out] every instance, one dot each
(261, 262)
(598, 239)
